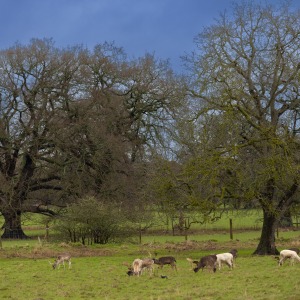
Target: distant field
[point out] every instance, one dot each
(35, 226)
(250, 220)
(241, 219)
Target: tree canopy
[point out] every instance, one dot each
(75, 122)
(245, 75)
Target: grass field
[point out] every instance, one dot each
(99, 271)
(104, 277)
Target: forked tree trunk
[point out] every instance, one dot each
(286, 220)
(12, 226)
(266, 244)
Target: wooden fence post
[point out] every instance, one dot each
(47, 232)
(230, 229)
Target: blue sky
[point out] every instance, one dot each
(163, 27)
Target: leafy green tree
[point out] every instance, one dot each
(246, 70)
(182, 195)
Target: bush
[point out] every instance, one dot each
(90, 221)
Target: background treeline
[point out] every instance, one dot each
(76, 123)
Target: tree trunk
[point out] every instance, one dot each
(12, 226)
(266, 244)
(286, 220)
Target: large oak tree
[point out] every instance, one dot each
(75, 122)
(246, 71)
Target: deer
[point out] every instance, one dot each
(166, 260)
(139, 265)
(209, 261)
(285, 254)
(226, 258)
(61, 260)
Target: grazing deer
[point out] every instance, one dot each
(139, 265)
(166, 260)
(285, 254)
(209, 261)
(61, 260)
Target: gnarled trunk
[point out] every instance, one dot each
(12, 225)
(266, 244)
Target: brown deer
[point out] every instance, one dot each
(61, 260)
(209, 261)
(166, 260)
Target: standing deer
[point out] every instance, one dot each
(61, 260)
(226, 258)
(166, 260)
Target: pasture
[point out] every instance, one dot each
(99, 271)
(105, 278)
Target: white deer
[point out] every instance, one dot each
(285, 254)
(61, 260)
(226, 258)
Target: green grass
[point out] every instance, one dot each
(99, 272)
(241, 219)
(105, 278)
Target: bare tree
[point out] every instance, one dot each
(74, 123)
(36, 83)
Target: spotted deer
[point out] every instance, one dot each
(140, 265)
(61, 260)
